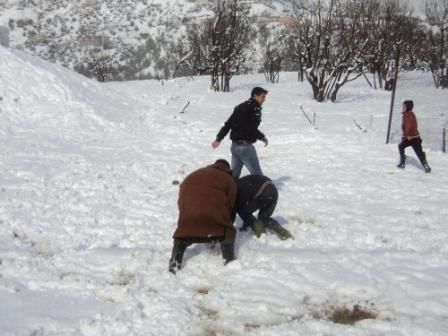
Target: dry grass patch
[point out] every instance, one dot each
(124, 278)
(203, 290)
(349, 316)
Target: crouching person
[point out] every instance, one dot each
(206, 212)
(258, 193)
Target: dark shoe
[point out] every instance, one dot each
(211, 245)
(425, 163)
(177, 255)
(172, 268)
(228, 252)
(259, 228)
(282, 233)
(402, 163)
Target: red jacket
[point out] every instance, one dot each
(409, 125)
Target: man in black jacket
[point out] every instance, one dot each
(258, 193)
(243, 126)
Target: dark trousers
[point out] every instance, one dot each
(416, 144)
(266, 203)
(181, 244)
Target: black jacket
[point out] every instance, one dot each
(247, 189)
(243, 123)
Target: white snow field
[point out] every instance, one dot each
(88, 207)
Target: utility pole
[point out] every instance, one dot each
(444, 140)
(394, 89)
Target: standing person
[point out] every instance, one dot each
(411, 137)
(243, 124)
(206, 212)
(258, 193)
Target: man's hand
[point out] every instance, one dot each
(266, 142)
(216, 144)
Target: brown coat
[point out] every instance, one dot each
(206, 204)
(409, 125)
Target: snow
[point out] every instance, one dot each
(88, 207)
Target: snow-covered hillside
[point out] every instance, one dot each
(131, 31)
(88, 206)
(138, 36)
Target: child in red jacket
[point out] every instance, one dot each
(411, 137)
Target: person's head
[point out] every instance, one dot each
(259, 94)
(223, 163)
(408, 105)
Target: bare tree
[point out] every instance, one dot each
(437, 16)
(273, 57)
(390, 24)
(181, 55)
(337, 41)
(98, 65)
(328, 45)
(218, 46)
(102, 67)
(382, 26)
(272, 61)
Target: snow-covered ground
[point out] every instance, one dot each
(88, 206)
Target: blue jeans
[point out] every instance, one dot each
(244, 155)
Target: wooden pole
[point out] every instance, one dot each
(394, 90)
(444, 141)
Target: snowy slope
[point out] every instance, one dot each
(88, 206)
(131, 32)
(139, 36)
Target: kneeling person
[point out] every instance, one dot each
(206, 212)
(257, 192)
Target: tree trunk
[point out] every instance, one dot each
(374, 80)
(315, 90)
(334, 93)
(380, 79)
(214, 81)
(226, 87)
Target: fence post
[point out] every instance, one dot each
(444, 140)
(394, 90)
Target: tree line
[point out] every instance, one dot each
(328, 42)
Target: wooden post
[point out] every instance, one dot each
(444, 140)
(394, 90)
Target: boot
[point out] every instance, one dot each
(259, 228)
(425, 164)
(402, 163)
(248, 222)
(177, 255)
(228, 251)
(282, 233)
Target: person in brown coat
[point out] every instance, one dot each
(411, 137)
(206, 212)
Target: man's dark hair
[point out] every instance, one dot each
(256, 91)
(409, 105)
(223, 162)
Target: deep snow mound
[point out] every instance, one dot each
(44, 95)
